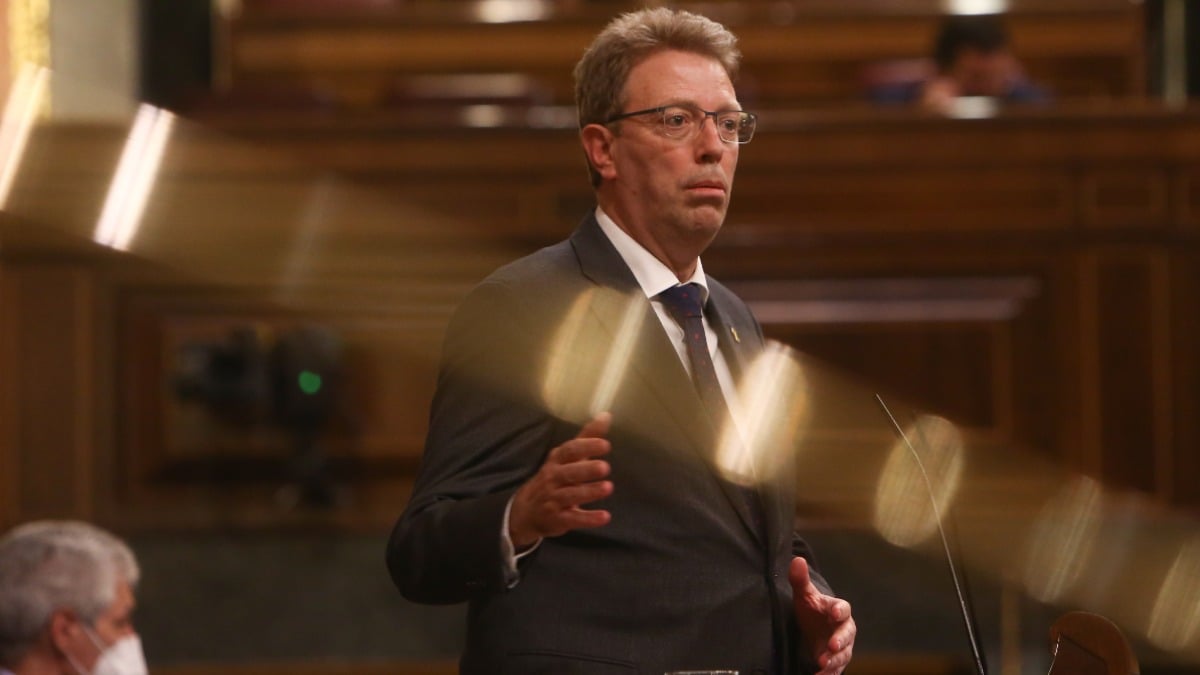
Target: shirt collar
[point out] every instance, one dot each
(652, 275)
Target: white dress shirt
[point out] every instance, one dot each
(654, 277)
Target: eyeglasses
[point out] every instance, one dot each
(685, 121)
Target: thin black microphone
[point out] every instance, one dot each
(967, 614)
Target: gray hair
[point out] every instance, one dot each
(49, 565)
(601, 73)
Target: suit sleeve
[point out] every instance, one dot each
(488, 433)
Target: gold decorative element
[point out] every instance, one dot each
(736, 337)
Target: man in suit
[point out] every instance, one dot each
(610, 542)
(66, 602)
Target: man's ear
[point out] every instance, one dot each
(597, 145)
(63, 626)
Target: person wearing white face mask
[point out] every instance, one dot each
(66, 602)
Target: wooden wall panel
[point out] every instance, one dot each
(928, 343)
(1184, 465)
(942, 343)
(869, 200)
(50, 365)
(10, 394)
(1189, 200)
(1126, 197)
(996, 271)
(1126, 315)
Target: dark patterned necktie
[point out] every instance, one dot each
(684, 305)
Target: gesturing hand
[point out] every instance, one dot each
(825, 621)
(548, 504)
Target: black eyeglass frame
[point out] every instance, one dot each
(714, 114)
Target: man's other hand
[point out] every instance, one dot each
(825, 622)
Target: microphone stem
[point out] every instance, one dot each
(968, 618)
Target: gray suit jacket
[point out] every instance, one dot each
(681, 578)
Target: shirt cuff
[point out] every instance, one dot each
(508, 553)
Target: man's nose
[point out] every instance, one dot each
(710, 117)
(709, 139)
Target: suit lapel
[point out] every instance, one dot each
(738, 343)
(655, 360)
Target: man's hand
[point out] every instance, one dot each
(549, 503)
(939, 94)
(825, 621)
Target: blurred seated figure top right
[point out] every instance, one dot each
(971, 58)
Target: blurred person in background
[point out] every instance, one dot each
(972, 57)
(66, 602)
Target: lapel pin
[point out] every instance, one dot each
(736, 338)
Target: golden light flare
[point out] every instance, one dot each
(28, 33)
(1175, 620)
(25, 98)
(1062, 539)
(768, 420)
(135, 177)
(584, 370)
(919, 483)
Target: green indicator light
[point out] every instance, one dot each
(310, 382)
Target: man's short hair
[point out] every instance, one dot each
(982, 32)
(601, 73)
(47, 566)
